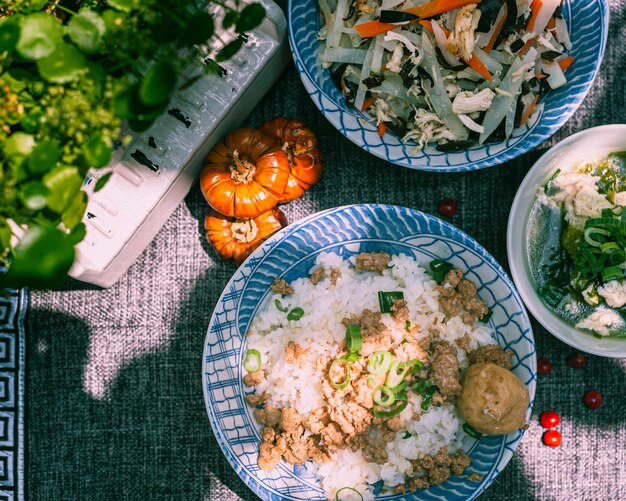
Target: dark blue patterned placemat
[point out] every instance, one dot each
(12, 360)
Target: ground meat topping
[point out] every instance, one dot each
(335, 273)
(352, 418)
(410, 351)
(464, 343)
(268, 415)
(295, 354)
(475, 477)
(458, 297)
(269, 456)
(444, 369)
(399, 310)
(280, 286)
(372, 261)
(438, 468)
(317, 276)
(491, 353)
(254, 378)
(253, 399)
(375, 334)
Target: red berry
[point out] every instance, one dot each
(593, 399)
(544, 366)
(552, 438)
(549, 419)
(577, 361)
(448, 207)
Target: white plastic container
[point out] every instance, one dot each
(155, 172)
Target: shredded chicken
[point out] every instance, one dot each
(461, 41)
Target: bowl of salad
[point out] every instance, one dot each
(448, 85)
(570, 263)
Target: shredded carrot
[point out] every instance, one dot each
(530, 109)
(540, 76)
(429, 26)
(429, 9)
(473, 62)
(373, 28)
(477, 64)
(435, 7)
(526, 46)
(535, 7)
(382, 128)
(370, 101)
(551, 24)
(487, 48)
(566, 62)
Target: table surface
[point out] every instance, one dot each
(114, 395)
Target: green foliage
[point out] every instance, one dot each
(70, 72)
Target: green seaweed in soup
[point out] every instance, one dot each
(576, 244)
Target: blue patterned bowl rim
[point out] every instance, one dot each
(289, 254)
(589, 41)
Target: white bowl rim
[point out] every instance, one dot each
(516, 235)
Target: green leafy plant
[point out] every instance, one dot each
(71, 72)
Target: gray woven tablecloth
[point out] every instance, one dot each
(114, 396)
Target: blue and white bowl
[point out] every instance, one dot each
(588, 22)
(290, 254)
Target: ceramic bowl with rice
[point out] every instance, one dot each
(335, 358)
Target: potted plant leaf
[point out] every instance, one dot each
(73, 75)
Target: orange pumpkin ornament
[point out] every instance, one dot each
(305, 160)
(236, 238)
(245, 175)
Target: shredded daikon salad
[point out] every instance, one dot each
(447, 72)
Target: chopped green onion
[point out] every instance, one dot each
(427, 396)
(407, 326)
(602, 222)
(384, 396)
(279, 306)
(295, 314)
(252, 360)
(611, 212)
(550, 187)
(350, 489)
(354, 340)
(426, 389)
(399, 370)
(351, 357)
(404, 341)
(340, 384)
(440, 268)
(617, 257)
(471, 431)
(386, 300)
(609, 247)
(414, 366)
(590, 232)
(612, 273)
(386, 412)
(407, 435)
(380, 362)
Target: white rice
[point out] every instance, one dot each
(321, 332)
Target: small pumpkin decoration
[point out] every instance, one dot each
(300, 145)
(235, 238)
(245, 175)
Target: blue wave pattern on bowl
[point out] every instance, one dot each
(290, 254)
(588, 31)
